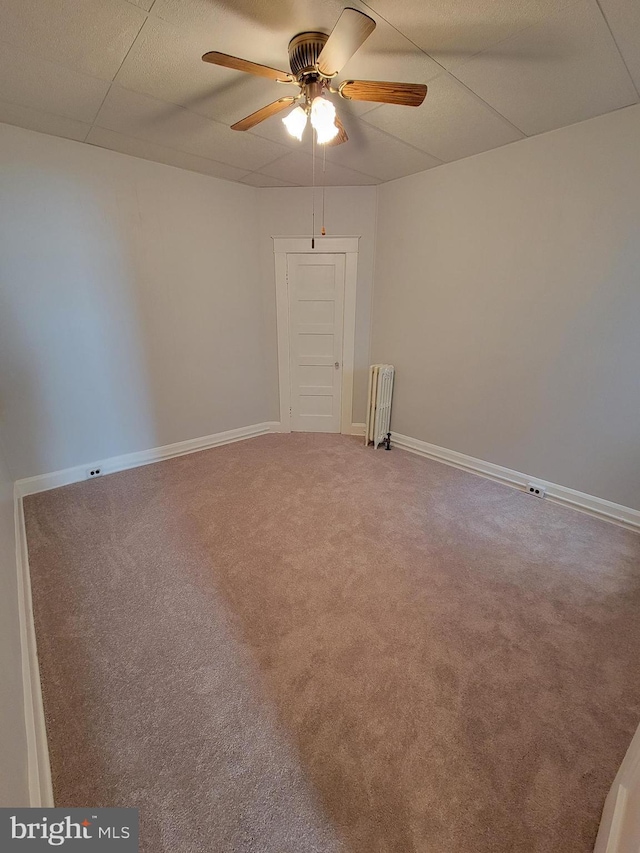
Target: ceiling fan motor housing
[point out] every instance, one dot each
(304, 50)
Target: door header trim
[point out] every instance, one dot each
(324, 245)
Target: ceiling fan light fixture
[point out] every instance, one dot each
(323, 119)
(295, 122)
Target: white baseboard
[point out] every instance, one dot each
(356, 429)
(39, 772)
(44, 482)
(38, 767)
(616, 513)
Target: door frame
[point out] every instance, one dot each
(612, 825)
(347, 246)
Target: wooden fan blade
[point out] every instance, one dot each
(244, 65)
(261, 115)
(352, 29)
(406, 94)
(341, 135)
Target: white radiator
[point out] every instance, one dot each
(379, 405)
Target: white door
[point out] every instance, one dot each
(620, 826)
(316, 307)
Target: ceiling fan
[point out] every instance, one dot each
(315, 60)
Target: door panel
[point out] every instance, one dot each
(316, 307)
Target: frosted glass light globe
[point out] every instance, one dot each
(323, 116)
(295, 122)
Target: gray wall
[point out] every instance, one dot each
(507, 294)
(349, 212)
(137, 302)
(131, 311)
(14, 789)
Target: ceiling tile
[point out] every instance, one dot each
(297, 168)
(389, 55)
(255, 179)
(43, 85)
(623, 17)
(585, 77)
(43, 122)
(161, 154)
(252, 29)
(533, 65)
(261, 30)
(89, 35)
(142, 117)
(376, 153)
(452, 32)
(166, 63)
(452, 123)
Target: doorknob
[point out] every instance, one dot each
(337, 365)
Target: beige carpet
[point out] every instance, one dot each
(293, 644)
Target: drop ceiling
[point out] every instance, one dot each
(127, 75)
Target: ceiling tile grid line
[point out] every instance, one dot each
(179, 150)
(503, 42)
(623, 17)
(497, 71)
(492, 45)
(375, 148)
(318, 158)
(90, 36)
(487, 106)
(486, 103)
(264, 182)
(578, 72)
(124, 59)
(135, 105)
(395, 138)
(450, 8)
(43, 122)
(398, 30)
(615, 41)
(38, 83)
(334, 154)
(145, 71)
(568, 5)
(83, 77)
(445, 71)
(456, 125)
(35, 54)
(143, 149)
(478, 53)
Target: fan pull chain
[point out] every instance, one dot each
(313, 191)
(324, 163)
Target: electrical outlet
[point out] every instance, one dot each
(536, 489)
(93, 472)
